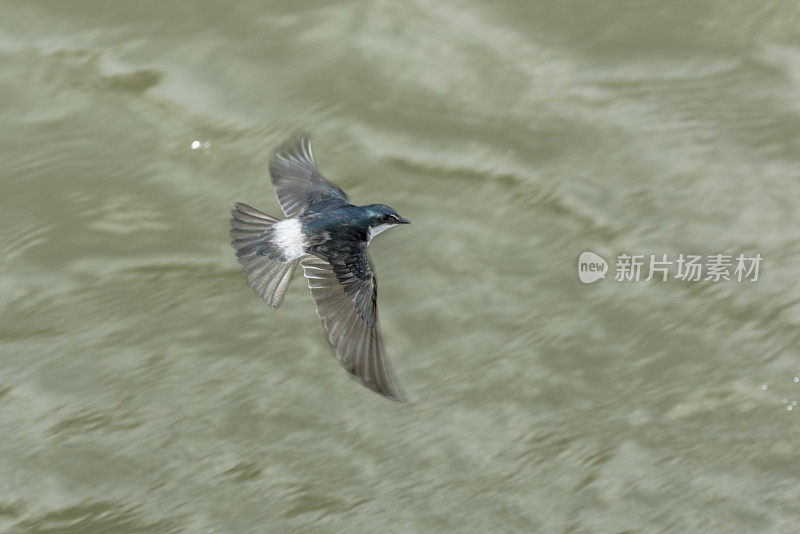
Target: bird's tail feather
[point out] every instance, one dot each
(269, 277)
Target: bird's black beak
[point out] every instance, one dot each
(404, 221)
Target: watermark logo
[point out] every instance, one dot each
(661, 267)
(591, 267)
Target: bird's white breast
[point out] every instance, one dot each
(288, 236)
(375, 230)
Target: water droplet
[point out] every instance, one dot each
(195, 144)
(789, 407)
(797, 379)
(794, 403)
(764, 387)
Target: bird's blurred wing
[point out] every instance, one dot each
(298, 183)
(345, 294)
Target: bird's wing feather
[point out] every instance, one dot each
(345, 294)
(297, 181)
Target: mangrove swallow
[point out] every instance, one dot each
(329, 237)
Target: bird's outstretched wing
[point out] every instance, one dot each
(298, 183)
(345, 294)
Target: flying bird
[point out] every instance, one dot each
(329, 237)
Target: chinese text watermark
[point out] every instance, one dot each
(663, 267)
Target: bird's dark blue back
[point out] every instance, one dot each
(336, 221)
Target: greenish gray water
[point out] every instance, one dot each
(144, 388)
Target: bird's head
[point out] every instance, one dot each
(382, 217)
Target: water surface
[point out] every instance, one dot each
(144, 388)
